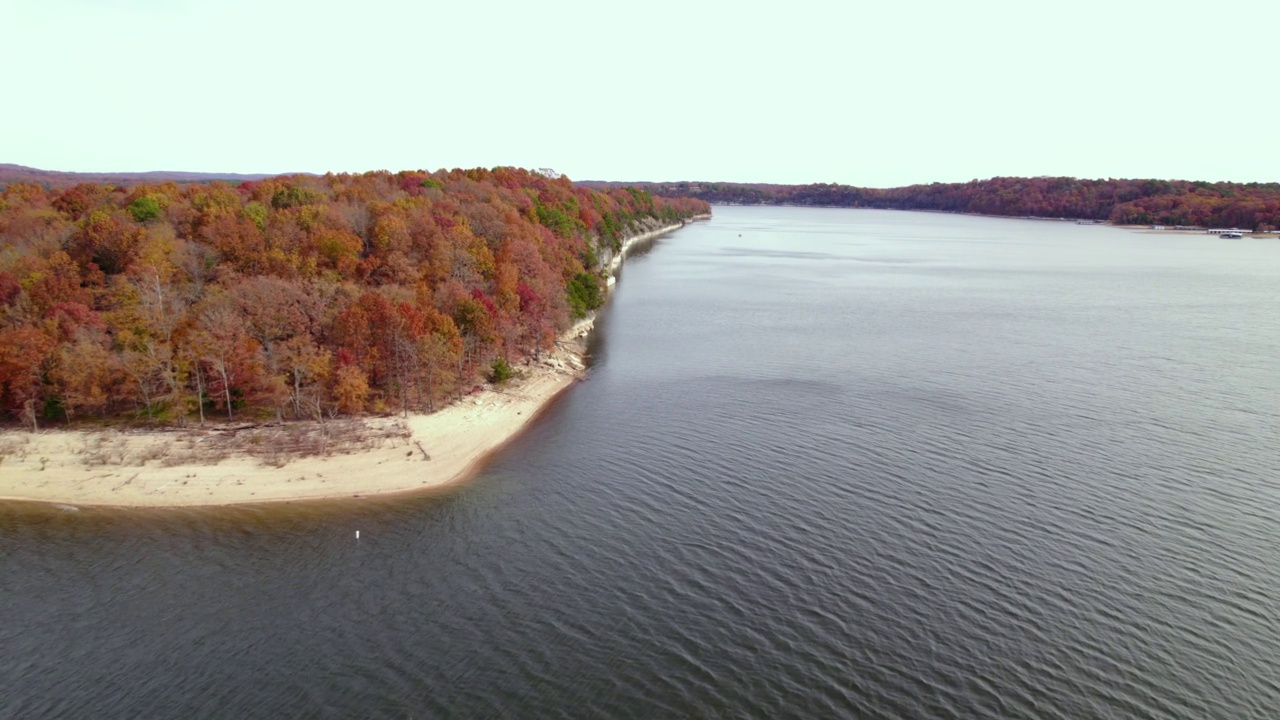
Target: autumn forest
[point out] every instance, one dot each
(1253, 206)
(294, 297)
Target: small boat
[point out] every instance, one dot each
(1231, 235)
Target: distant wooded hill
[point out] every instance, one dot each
(1254, 206)
(53, 179)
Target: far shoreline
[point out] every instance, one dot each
(1260, 235)
(114, 469)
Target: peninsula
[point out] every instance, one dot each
(294, 337)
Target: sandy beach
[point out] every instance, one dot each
(188, 467)
(297, 461)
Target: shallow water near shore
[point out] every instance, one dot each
(827, 463)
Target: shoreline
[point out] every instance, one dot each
(1261, 235)
(186, 468)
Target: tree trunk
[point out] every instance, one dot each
(200, 392)
(226, 388)
(29, 415)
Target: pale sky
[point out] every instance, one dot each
(871, 94)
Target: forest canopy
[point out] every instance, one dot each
(296, 296)
(1253, 206)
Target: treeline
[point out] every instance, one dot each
(298, 296)
(1254, 206)
(10, 174)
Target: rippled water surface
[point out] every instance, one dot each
(829, 463)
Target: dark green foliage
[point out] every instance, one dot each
(144, 209)
(53, 408)
(501, 371)
(584, 294)
(610, 231)
(557, 220)
(294, 196)
(642, 198)
(588, 256)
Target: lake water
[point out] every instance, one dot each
(828, 463)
